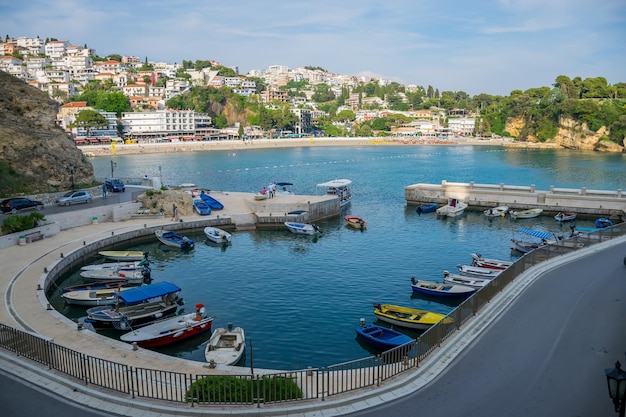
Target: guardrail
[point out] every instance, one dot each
(285, 386)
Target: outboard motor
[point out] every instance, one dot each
(147, 274)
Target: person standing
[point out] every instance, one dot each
(174, 212)
(104, 190)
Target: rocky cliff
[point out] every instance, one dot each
(571, 135)
(37, 156)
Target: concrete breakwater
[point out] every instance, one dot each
(481, 196)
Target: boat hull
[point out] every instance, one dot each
(435, 289)
(123, 255)
(173, 240)
(226, 346)
(408, 317)
(382, 337)
(356, 222)
(217, 235)
(302, 228)
(526, 214)
(168, 331)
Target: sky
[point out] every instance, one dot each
(485, 46)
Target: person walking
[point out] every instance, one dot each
(174, 212)
(104, 190)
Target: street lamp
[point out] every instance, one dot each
(616, 380)
(71, 171)
(113, 165)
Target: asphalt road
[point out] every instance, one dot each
(544, 357)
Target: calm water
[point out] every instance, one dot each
(300, 298)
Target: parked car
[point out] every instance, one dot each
(114, 185)
(13, 205)
(74, 197)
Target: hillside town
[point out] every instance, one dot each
(62, 70)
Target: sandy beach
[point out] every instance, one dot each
(230, 145)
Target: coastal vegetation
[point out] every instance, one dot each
(233, 389)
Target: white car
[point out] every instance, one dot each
(74, 197)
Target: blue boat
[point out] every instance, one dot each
(210, 201)
(174, 240)
(603, 222)
(426, 208)
(201, 207)
(381, 337)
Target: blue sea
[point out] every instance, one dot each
(300, 298)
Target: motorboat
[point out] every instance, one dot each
(478, 271)
(284, 188)
(439, 289)
(96, 285)
(426, 208)
(454, 208)
(338, 187)
(92, 298)
(302, 228)
(526, 214)
(201, 207)
(131, 277)
(499, 211)
(217, 235)
(143, 305)
(564, 217)
(603, 222)
(172, 239)
(381, 337)
(261, 195)
(356, 222)
(410, 318)
(525, 246)
(466, 281)
(225, 346)
(171, 330)
(210, 201)
(478, 260)
(119, 266)
(123, 255)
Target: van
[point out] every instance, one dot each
(114, 185)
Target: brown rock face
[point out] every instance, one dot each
(36, 154)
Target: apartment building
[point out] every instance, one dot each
(56, 49)
(31, 46)
(160, 124)
(303, 125)
(462, 125)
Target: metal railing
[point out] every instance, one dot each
(286, 386)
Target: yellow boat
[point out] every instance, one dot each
(410, 318)
(124, 255)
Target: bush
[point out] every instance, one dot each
(224, 388)
(14, 224)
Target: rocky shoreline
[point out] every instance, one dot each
(230, 145)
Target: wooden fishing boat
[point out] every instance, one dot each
(564, 217)
(478, 260)
(410, 318)
(97, 285)
(101, 297)
(117, 266)
(171, 330)
(466, 281)
(201, 207)
(132, 277)
(302, 228)
(173, 240)
(356, 222)
(439, 289)
(217, 235)
(526, 214)
(381, 337)
(211, 202)
(123, 255)
(226, 346)
(478, 271)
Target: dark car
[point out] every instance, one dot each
(13, 205)
(115, 185)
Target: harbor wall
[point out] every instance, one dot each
(481, 196)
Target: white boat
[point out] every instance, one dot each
(260, 196)
(118, 266)
(478, 272)
(284, 188)
(338, 187)
(133, 277)
(473, 282)
(302, 228)
(526, 214)
(124, 255)
(478, 260)
(93, 297)
(454, 208)
(226, 346)
(499, 211)
(217, 235)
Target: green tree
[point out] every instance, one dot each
(88, 119)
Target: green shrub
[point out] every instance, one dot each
(224, 388)
(14, 224)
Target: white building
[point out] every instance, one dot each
(161, 124)
(463, 125)
(56, 49)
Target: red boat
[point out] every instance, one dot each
(171, 330)
(356, 222)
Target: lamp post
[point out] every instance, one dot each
(616, 380)
(113, 165)
(71, 171)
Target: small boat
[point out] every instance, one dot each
(454, 208)
(338, 187)
(564, 217)
(302, 228)
(603, 222)
(260, 196)
(97, 285)
(143, 305)
(118, 266)
(226, 346)
(172, 239)
(478, 271)
(131, 277)
(92, 298)
(123, 255)
(211, 202)
(217, 235)
(381, 337)
(410, 318)
(284, 188)
(466, 281)
(478, 260)
(526, 214)
(499, 211)
(201, 207)
(438, 289)
(524, 246)
(426, 208)
(171, 330)
(356, 222)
